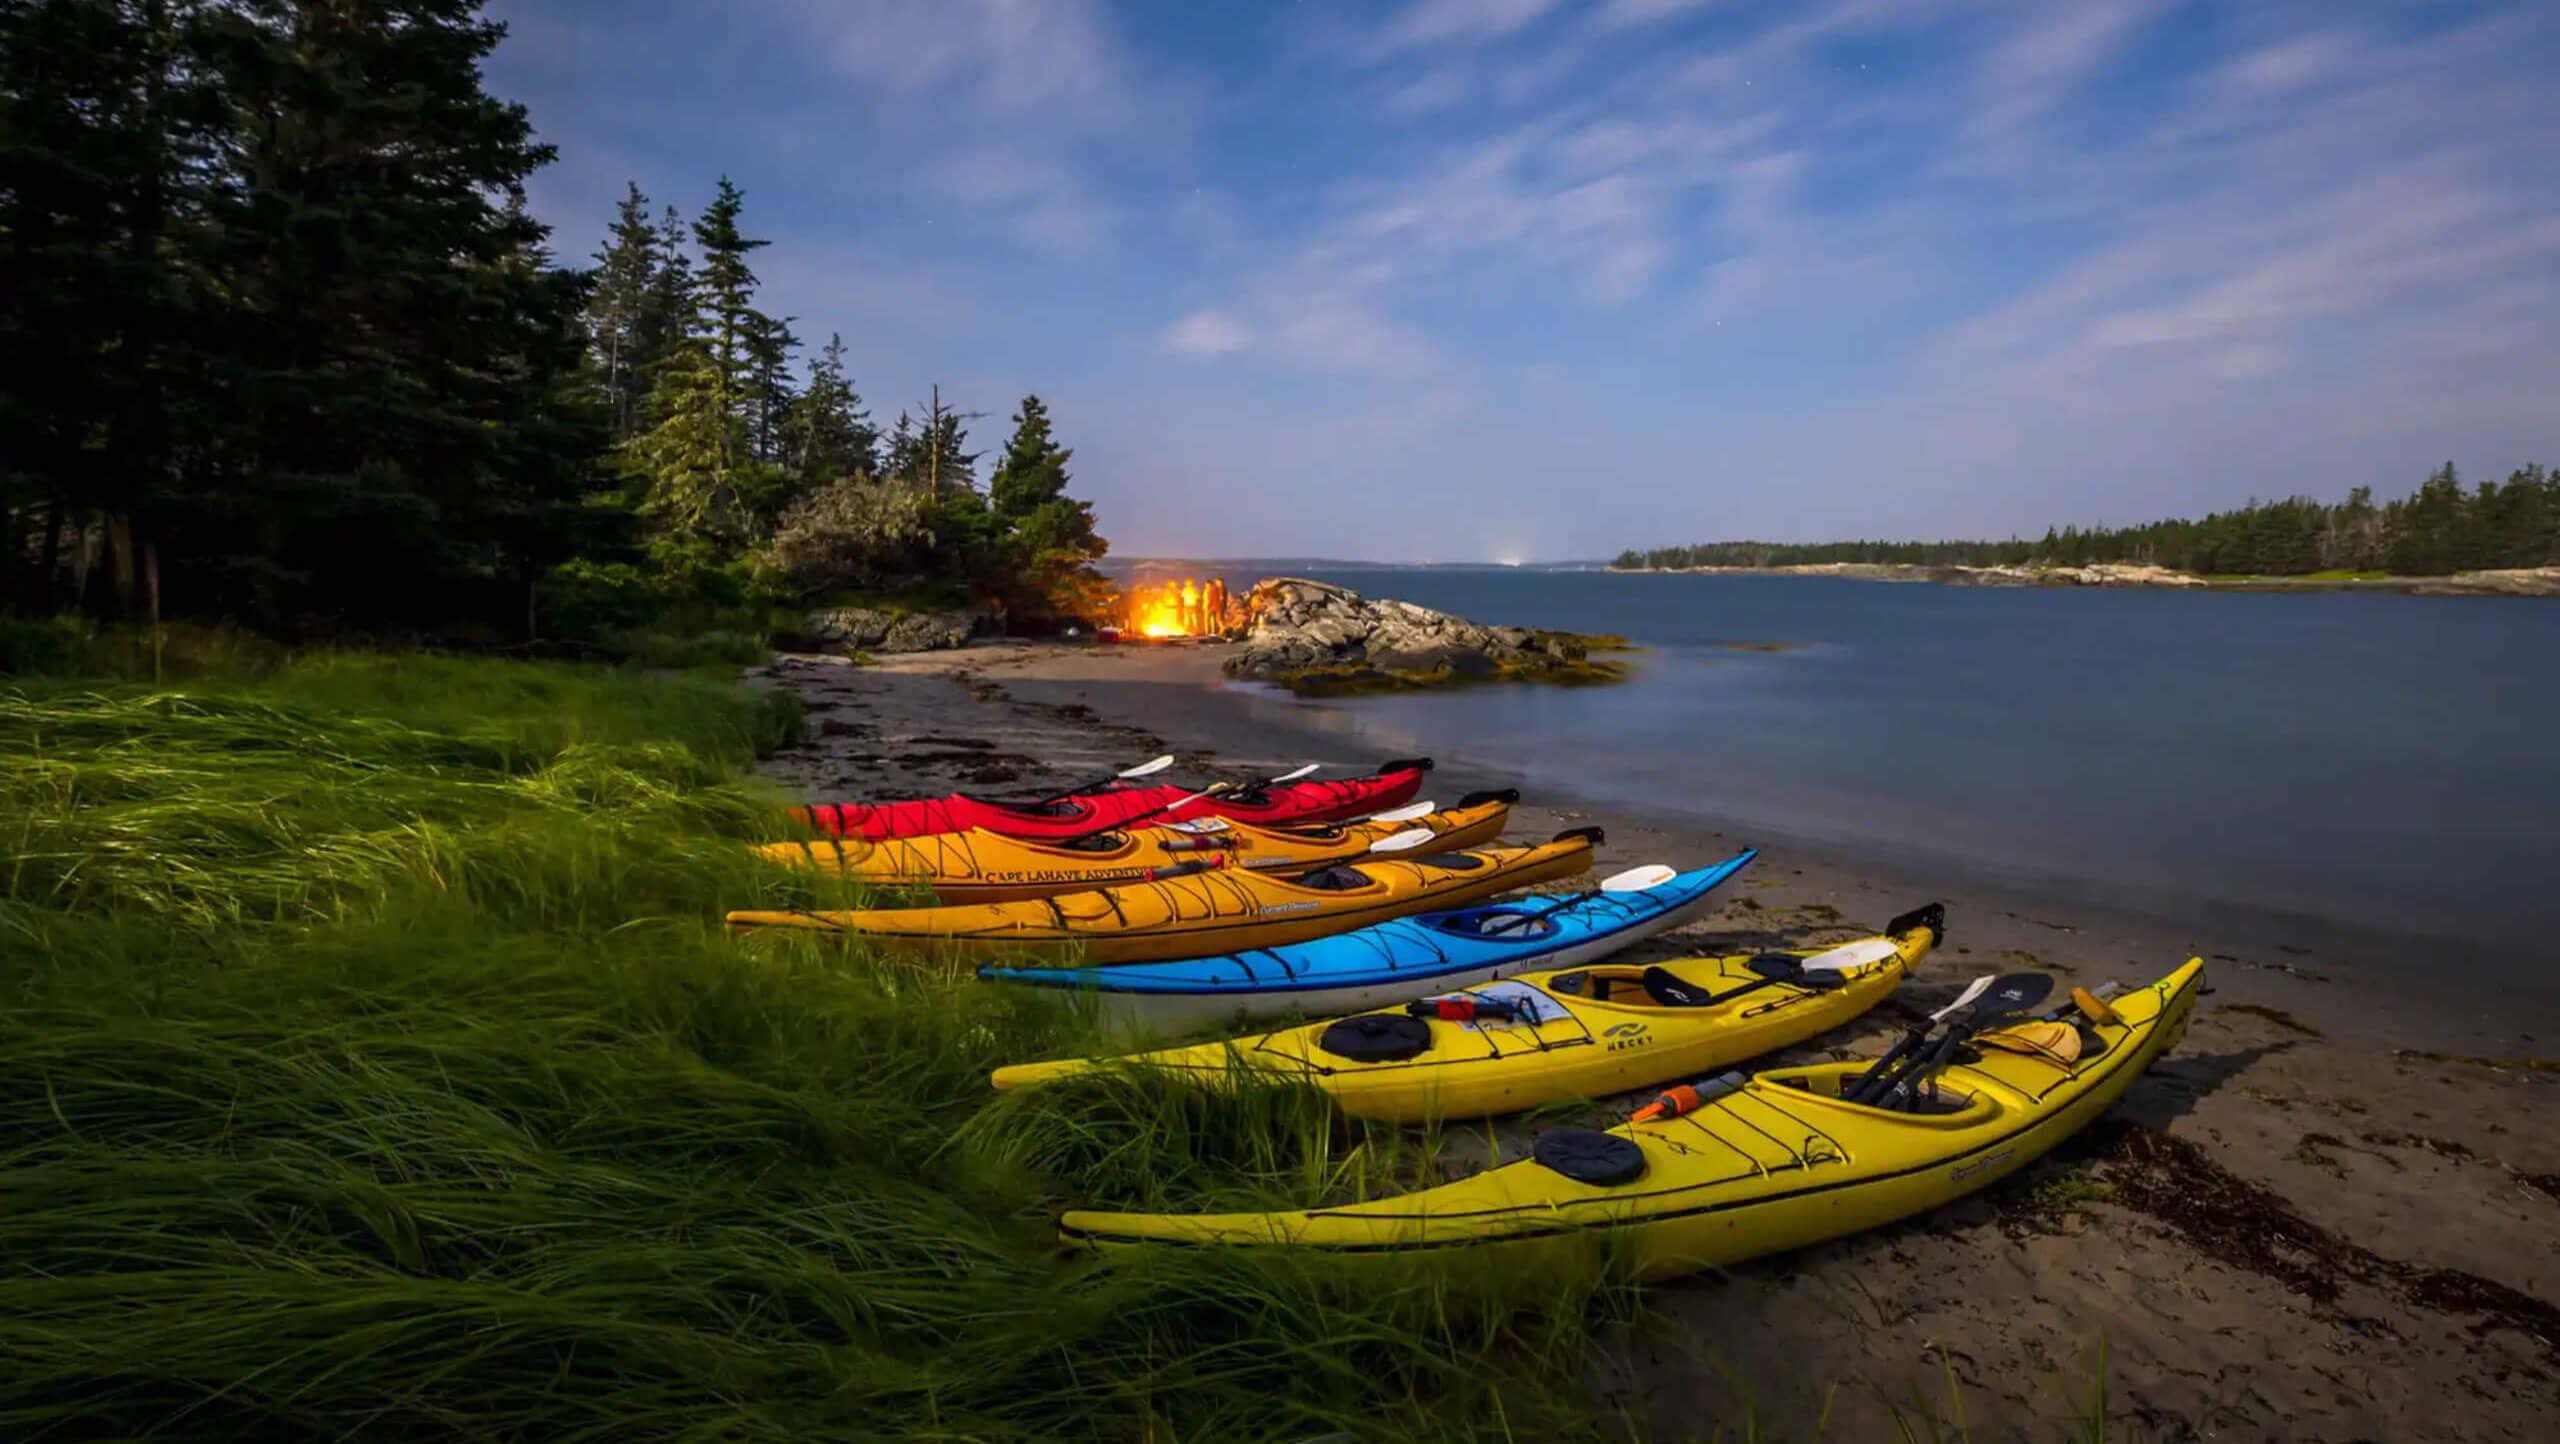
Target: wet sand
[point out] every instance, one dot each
(2332, 1214)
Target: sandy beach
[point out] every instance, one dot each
(2332, 1214)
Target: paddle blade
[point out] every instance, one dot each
(1301, 772)
(1976, 989)
(1851, 955)
(1149, 768)
(1406, 813)
(1404, 841)
(2014, 993)
(1637, 879)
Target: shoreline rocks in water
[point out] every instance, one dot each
(1318, 639)
(2509, 582)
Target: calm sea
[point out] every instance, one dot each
(2367, 761)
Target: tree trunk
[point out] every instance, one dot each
(151, 601)
(82, 559)
(51, 557)
(120, 562)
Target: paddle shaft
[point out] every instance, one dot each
(1214, 789)
(1857, 1092)
(1144, 769)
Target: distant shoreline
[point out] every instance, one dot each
(2516, 582)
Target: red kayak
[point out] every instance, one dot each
(1289, 803)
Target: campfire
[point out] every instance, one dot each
(1183, 607)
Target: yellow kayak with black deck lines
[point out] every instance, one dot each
(1540, 1037)
(1740, 1167)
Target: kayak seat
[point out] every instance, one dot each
(1790, 969)
(1337, 878)
(1504, 923)
(1600, 983)
(1673, 991)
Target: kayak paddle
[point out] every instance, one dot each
(1775, 968)
(1634, 879)
(1912, 1039)
(2010, 994)
(1406, 813)
(1214, 789)
(1148, 768)
(1404, 841)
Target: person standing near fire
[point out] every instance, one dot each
(1213, 602)
(1190, 612)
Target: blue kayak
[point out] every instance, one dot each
(1389, 963)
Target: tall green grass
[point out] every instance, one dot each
(375, 1064)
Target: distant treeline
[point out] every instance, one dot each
(2441, 528)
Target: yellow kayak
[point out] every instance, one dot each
(1761, 1165)
(1216, 910)
(1582, 1032)
(977, 866)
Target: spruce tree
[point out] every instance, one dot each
(826, 437)
(724, 292)
(1034, 468)
(1048, 541)
(618, 311)
(903, 459)
(692, 460)
(702, 480)
(378, 270)
(769, 345)
(666, 315)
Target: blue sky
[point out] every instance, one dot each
(1478, 279)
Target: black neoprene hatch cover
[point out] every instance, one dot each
(1376, 1038)
(1587, 1155)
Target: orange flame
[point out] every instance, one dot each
(1183, 607)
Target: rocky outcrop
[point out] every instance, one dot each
(847, 630)
(2504, 582)
(2099, 574)
(2509, 582)
(1315, 636)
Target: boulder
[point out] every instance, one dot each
(846, 630)
(1292, 626)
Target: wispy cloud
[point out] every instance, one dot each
(1208, 332)
(1627, 14)
(996, 106)
(1426, 23)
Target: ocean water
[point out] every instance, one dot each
(2362, 761)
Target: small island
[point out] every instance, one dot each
(2442, 540)
(1321, 640)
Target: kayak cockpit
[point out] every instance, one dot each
(1505, 924)
(1032, 811)
(1340, 877)
(1938, 1104)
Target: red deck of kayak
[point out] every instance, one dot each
(1294, 802)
